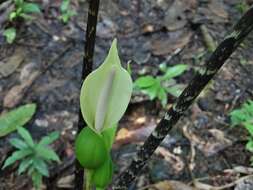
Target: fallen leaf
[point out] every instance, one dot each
(66, 182)
(10, 66)
(26, 71)
(217, 7)
(16, 93)
(171, 185)
(163, 185)
(125, 136)
(168, 45)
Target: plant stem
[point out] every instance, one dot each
(87, 68)
(197, 84)
(87, 185)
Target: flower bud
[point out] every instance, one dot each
(90, 149)
(103, 175)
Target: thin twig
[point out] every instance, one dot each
(190, 93)
(87, 68)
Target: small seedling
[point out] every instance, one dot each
(10, 34)
(158, 87)
(243, 61)
(242, 6)
(34, 157)
(23, 10)
(244, 117)
(16, 118)
(66, 12)
(105, 95)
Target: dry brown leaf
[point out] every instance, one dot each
(10, 66)
(66, 182)
(163, 185)
(203, 186)
(168, 45)
(171, 185)
(217, 7)
(125, 136)
(16, 93)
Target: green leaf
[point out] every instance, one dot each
(47, 153)
(30, 8)
(251, 160)
(242, 6)
(249, 127)
(108, 136)
(129, 69)
(18, 117)
(26, 16)
(106, 92)
(238, 116)
(64, 5)
(152, 91)
(24, 165)
(248, 107)
(244, 114)
(64, 18)
(19, 3)
(41, 166)
(102, 176)
(17, 155)
(249, 145)
(67, 15)
(10, 35)
(18, 143)
(98, 188)
(12, 16)
(49, 139)
(18, 11)
(31, 170)
(174, 71)
(144, 82)
(162, 96)
(175, 90)
(26, 136)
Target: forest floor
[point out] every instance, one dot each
(44, 66)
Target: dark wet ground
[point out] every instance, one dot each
(149, 32)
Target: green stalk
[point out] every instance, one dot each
(87, 185)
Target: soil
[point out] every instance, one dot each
(44, 66)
